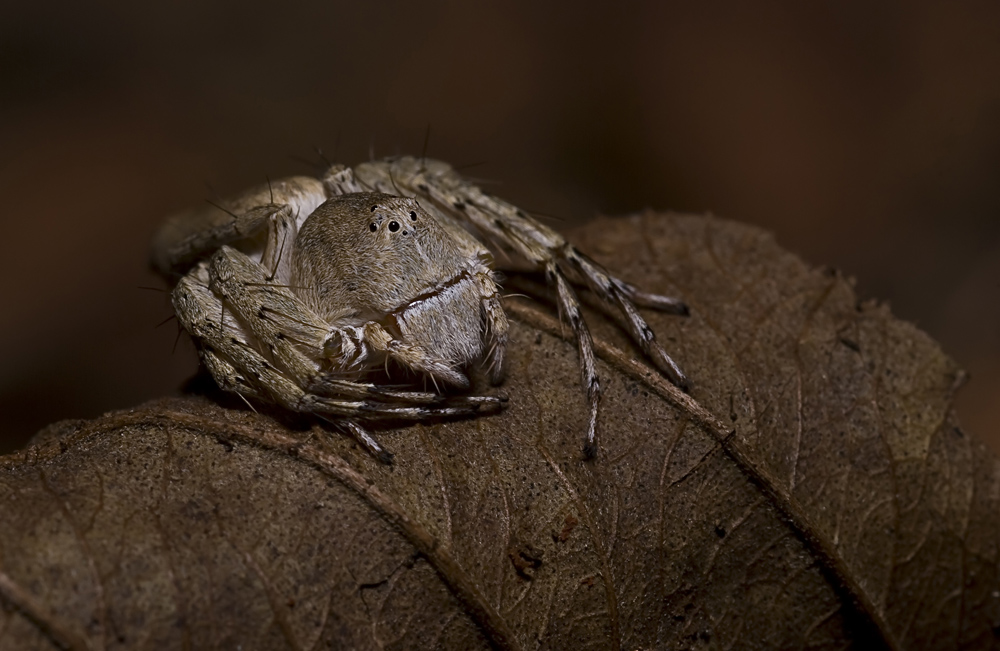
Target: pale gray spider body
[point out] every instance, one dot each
(301, 288)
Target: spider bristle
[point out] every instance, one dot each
(228, 212)
(423, 152)
(481, 180)
(538, 213)
(396, 187)
(336, 148)
(165, 321)
(466, 166)
(244, 399)
(177, 338)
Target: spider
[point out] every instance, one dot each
(297, 291)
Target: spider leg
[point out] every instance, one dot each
(570, 307)
(277, 255)
(189, 236)
(275, 317)
(226, 345)
(367, 441)
(339, 179)
(616, 293)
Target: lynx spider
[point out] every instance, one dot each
(311, 284)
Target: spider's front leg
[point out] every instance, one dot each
(520, 237)
(260, 340)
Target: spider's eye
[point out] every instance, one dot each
(413, 215)
(373, 227)
(393, 226)
(373, 208)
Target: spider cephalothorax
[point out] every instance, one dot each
(312, 284)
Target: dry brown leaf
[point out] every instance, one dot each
(814, 490)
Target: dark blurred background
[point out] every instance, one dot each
(865, 134)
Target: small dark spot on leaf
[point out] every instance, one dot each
(375, 585)
(525, 560)
(850, 343)
(568, 525)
